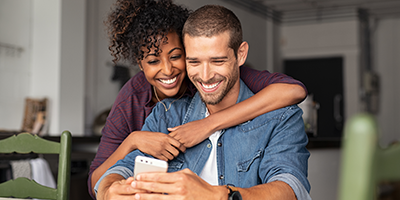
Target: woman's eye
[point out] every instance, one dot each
(152, 62)
(176, 57)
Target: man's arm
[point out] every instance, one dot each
(187, 185)
(113, 183)
(272, 190)
(115, 186)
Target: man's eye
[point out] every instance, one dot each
(193, 62)
(219, 61)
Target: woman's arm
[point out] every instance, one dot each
(278, 91)
(273, 97)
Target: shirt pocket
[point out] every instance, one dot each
(248, 170)
(244, 166)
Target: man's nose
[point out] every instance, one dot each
(206, 72)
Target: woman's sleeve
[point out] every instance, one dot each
(258, 80)
(110, 140)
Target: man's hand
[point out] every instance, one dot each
(178, 185)
(116, 187)
(191, 133)
(159, 145)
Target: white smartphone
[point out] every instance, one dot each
(146, 164)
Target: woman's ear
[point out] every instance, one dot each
(140, 65)
(242, 53)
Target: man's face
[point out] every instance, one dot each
(212, 67)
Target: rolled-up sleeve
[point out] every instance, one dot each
(297, 187)
(286, 151)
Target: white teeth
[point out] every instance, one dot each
(169, 81)
(210, 86)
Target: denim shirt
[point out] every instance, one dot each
(258, 151)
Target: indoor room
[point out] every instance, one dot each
(57, 73)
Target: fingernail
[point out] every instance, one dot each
(133, 184)
(138, 177)
(137, 196)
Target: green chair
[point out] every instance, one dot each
(22, 187)
(364, 164)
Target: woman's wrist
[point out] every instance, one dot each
(131, 141)
(212, 123)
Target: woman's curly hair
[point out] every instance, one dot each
(134, 24)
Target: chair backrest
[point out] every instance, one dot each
(24, 143)
(364, 163)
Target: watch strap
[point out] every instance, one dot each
(234, 193)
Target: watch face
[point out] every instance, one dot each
(236, 195)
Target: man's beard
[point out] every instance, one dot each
(213, 99)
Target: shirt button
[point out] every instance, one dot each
(209, 145)
(219, 144)
(221, 177)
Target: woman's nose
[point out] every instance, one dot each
(167, 68)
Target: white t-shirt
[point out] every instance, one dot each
(210, 170)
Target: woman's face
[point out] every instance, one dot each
(167, 70)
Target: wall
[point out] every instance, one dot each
(52, 64)
(386, 61)
(58, 62)
(15, 72)
(341, 38)
(324, 40)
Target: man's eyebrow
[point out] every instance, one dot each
(191, 58)
(218, 58)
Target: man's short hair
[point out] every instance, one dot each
(211, 20)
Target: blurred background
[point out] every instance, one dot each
(347, 52)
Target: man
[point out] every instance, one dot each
(264, 158)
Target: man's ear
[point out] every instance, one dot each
(242, 53)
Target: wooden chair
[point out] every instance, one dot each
(22, 187)
(364, 163)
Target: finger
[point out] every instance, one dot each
(172, 150)
(177, 145)
(163, 177)
(160, 156)
(173, 129)
(129, 180)
(173, 134)
(119, 188)
(166, 154)
(156, 187)
(182, 148)
(154, 196)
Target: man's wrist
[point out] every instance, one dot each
(222, 192)
(234, 193)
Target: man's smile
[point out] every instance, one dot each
(210, 87)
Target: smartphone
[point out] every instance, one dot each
(146, 164)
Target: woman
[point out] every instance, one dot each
(148, 32)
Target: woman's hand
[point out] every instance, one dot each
(159, 145)
(192, 133)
